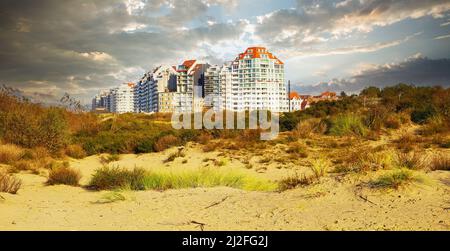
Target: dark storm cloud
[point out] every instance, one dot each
(417, 70)
(81, 46)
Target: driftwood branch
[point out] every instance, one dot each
(201, 225)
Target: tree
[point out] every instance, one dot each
(371, 92)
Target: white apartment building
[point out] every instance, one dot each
(258, 82)
(253, 81)
(121, 98)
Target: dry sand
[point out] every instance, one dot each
(337, 203)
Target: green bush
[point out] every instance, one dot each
(145, 145)
(109, 178)
(420, 116)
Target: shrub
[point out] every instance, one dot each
(75, 151)
(347, 124)
(440, 162)
(64, 175)
(166, 142)
(393, 179)
(145, 146)
(109, 178)
(10, 153)
(9, 183)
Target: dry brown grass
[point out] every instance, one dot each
(64, 175)
(10, 153)
(297, 150)
(407, 142)
(294, 182)
(411, 160)
(75, 151)
(9, 183)
(25, 165)
(440, 162)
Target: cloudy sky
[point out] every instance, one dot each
(49, 47)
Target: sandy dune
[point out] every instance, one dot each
(337, 203)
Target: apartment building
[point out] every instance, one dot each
(152, 91)
(254, 80)
(190, 86)
(121, 98)
(258, 82)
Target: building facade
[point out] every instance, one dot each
(257, 82)
(159, 83)
(190, 86)
(121, 98)
(254, 80)
(295, 102)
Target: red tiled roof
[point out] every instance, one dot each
(256, 52)
(189, 63)
(293, 95)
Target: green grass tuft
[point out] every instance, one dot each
(394, 179)
(347, 125)
(108, 178)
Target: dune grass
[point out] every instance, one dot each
(347, 124)
(64, 175)
(108, 178)
(394, 179)
(440, 162)
(10, 153)
(9, 183)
